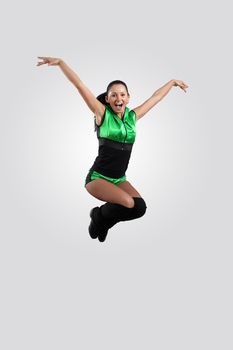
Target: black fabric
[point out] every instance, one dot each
(115, 144)
(109, 214)
(99, 225)
(122, 213)
(88, 178)
(113, 158)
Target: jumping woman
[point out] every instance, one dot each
(115, 125)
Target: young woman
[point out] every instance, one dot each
(115, 124)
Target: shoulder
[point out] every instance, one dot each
(131, 113)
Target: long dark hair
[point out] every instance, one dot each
(101, 97)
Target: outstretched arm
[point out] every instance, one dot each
(95, 106)
(157, 96)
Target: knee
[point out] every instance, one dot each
(139, 207)
(129, 202)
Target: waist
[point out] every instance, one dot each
(115, 144)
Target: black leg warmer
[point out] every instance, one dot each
(122, 213)
(108, 214)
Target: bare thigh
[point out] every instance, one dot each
(108, 192)
(127, 187)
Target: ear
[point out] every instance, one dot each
(106, 98)
(128, 98)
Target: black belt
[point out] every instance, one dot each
(115, 144)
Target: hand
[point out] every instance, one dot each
(50, 60)
(181, 84)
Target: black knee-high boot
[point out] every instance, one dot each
(98, 225)
(122, 213)
(109, 214)
(115, 213)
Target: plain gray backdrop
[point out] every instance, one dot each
(159, 282)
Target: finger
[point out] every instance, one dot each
(43, 57)
(43, 60)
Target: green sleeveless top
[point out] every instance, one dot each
(117, 129)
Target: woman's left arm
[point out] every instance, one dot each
(157, 96)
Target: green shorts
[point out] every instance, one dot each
(93, 175)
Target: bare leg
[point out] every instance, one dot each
(117, 197)
(127, 187)
(108, 192)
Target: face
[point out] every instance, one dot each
(118, 98)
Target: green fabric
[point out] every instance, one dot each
(117, 129)
(95, 175)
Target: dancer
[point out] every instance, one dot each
(115, 125)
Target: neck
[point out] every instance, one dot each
(121, 114)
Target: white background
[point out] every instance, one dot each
(162, 281)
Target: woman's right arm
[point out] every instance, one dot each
(95, 106)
